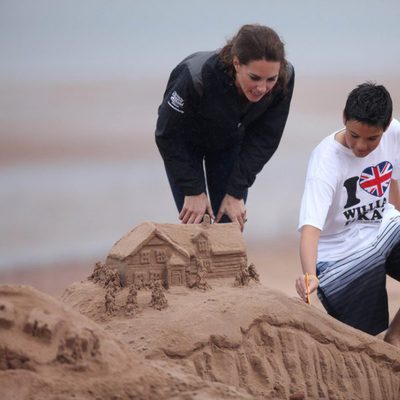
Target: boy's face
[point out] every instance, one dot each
(361, 138)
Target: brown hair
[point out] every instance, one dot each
(252, 43)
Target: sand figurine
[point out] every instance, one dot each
(110, 301)
(245, 275)
(131, 301)
(158, 299)
(200, 280)
(253, 273)
(173, 253)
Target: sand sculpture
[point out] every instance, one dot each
(66, 343)
(110, 302)
(158, 299)
(48, 351)
(243, 342)
(131, 304)
(109, 280)
(105, 276)
(252, 338)
(177, 254)
(246, 275)
(200, 281)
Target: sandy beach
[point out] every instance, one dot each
(224, 342)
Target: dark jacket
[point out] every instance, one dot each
(202, 107)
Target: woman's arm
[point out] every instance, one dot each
(175, 118)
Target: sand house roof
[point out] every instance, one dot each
(138, 237)
(222, 238)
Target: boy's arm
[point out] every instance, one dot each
(308, 255)
(394, 194)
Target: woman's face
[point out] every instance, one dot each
(256, 78)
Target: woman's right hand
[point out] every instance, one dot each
(194, 208)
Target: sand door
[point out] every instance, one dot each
(176, 267)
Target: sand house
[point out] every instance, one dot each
(177, 253)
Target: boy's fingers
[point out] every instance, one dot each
(301, 288)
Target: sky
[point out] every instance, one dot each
(99, 68)
(92, 39)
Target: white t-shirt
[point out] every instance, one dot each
(346, 196)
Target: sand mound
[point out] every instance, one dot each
(251, 338)
(49, 351)
(227, 342)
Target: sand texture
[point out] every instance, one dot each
(225, 342)
(251, 337)
(49, 351)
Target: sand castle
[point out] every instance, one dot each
(237, 341)
(177, 254)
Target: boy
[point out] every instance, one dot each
(350, 233)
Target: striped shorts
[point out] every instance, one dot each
(353, 289)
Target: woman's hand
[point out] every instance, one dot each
(194, 208)
(301, 286)
(234, 208)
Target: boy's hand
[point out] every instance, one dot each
(313, 284)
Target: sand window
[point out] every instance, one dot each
(202, 245)
(160, 256)
(145, 257)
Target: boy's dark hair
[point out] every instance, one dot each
(369, 104)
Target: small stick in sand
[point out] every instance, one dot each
(307, 288)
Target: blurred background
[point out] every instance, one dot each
(80, 83)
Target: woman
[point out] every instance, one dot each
(221, 120)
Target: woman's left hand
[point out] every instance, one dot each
(234, 208)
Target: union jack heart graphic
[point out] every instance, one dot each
(375, 180)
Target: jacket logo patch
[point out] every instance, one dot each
(176, 102)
